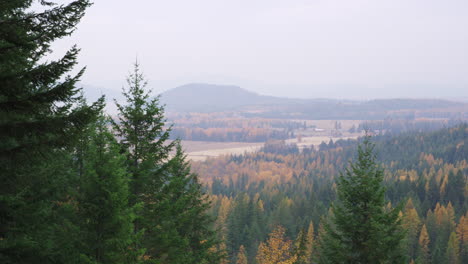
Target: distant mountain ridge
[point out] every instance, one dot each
(200, 97)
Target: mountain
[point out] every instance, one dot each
(199, 97)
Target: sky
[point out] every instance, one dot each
(349, 49)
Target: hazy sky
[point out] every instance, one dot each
(295, 48)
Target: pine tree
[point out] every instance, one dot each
(105, 215)
(39, 122)
(362, 231)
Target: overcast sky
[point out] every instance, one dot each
(296, 48)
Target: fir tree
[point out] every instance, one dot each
(184, 232)
(362, 231)
(105, 215)
(300, 248)
(452, 254)
(142, 136)
(173, 218)
(140, 128)
(39, 121)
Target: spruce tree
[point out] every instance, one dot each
(173, 214)
(361, 230)
(39, 122)
(140, 128)
(106, 218)
(183, 233)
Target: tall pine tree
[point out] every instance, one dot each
(362, 231)
(39, 120)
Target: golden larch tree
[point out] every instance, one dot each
(424, 254)
(241, 256)
(277, 249)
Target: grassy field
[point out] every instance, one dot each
(200, 150)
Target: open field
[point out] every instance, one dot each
(201, 150)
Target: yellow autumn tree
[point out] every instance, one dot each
(462, 235)
(241, 256)
(411, 223)
(277, 249)
(424, 254)
(310, 241)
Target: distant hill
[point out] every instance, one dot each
(199, 97)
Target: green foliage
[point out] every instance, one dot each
(39, 122)
(140, 128)
(362, 231)
(184, 231)
(176, 227)
(106, 219)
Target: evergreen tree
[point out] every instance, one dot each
(300, 248)
(140, 127)
(142, 136)
(362, 231)
(184, 232)
(104, 213)
(173, 218)
(452, 254)
(39, 122)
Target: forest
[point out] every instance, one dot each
(424, 172)
(81, 186)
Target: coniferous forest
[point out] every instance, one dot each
(78, 186)
(81, 186)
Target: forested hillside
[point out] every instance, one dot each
(424, 172)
